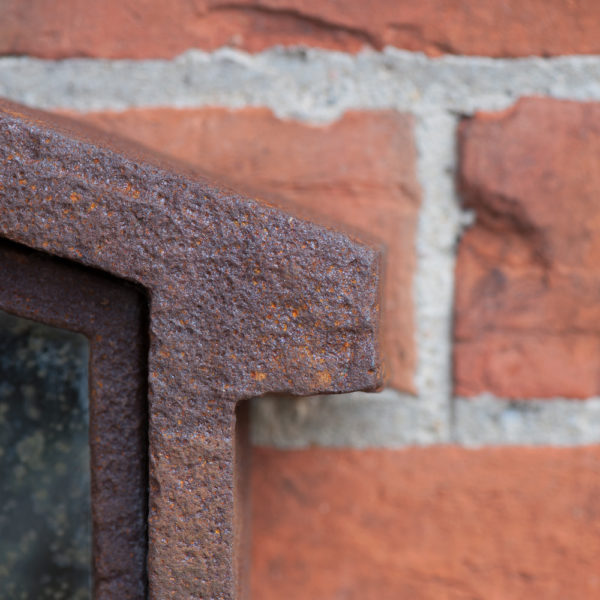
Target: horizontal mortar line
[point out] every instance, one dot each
(308, 84)
(351, 421)
(488, 420)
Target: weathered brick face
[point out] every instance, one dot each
(528, 299)
(159, 28)
(424, 524)
(357, 172)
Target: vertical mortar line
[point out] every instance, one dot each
(440, 222)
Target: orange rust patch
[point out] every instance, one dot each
(324, 378)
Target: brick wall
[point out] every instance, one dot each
(463, 137)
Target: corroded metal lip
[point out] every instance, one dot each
(243, 299)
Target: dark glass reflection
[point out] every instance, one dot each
(45, 513)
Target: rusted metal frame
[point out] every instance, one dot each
(243, 300)
(113, 318)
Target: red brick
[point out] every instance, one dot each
(358, 172)
(161, 28)
(527, 280)
(434, 523)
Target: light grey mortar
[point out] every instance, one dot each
(302, 83)
(485, 420)
(318, 86)
(440, 223)
(359, 420)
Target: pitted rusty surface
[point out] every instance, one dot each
(243, 300)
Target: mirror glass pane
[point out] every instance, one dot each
(45, 505)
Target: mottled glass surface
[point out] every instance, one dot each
(45, 514)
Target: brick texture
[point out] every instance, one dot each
(527, 279)
(358, 172)
(161, 28)
(435, 523)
